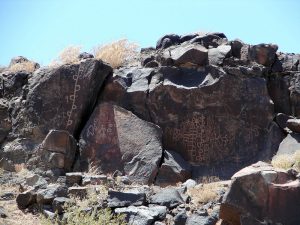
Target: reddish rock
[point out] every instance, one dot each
(264, 54)
(57, 151)
(293, 125)
(115, 139)
(262, 192)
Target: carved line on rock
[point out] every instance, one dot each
(73, 99)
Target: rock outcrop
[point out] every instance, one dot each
(209, 100)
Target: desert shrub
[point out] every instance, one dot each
(66, 56)
(76, 215)
(27, 66)
(287, 161)
(116, 53)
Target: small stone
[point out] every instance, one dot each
(7, 196)
(190, 183)
(73, 178)
(180, 218)
(35, 180)
(94, 179)
(169, 197)
(46, 196)
(3, 213)
(293, 125)
(122, 199)
(26, 199)
(58, 204)
(80, 192)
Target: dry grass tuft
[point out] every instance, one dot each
(94, 170)
(116, 53)
(28, 66)
(209, 179)
(287, 161)
(204, 193)
(22, 171)
(67, 56)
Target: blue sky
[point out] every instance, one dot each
(40, 29)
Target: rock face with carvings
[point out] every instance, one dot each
(60, 98)
(53, 98)
(115, 139)
(211, 118)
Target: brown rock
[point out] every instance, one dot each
(115, 139)
(57, 151)
(26, 199)
(293, 125)
(262, 192)
(263, 53)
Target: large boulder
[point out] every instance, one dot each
(214, 126)
(115, 139)
(211, 118)
(262, 193)
(128, 87)
(185, 55)
(57, 151)
(59, 98)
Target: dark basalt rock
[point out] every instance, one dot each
(208, 116)
(57, 151)
(118, 199)
(60, 98)
(5, 120)
(167, 41)
(115, 139)
(169, 197)
(173, 170)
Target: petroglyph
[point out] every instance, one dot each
(72, 99)
(205, 140)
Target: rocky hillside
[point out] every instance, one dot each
(193, 107)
